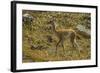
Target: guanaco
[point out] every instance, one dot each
(64, 33)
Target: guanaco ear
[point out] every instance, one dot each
(49, 22)
(52, 20)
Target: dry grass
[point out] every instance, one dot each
(38, 37)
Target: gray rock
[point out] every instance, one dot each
(83, 31)
(27, 18)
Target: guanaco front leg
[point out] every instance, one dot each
(57, 46)
(62, 43)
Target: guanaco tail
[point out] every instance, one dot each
(65, 33)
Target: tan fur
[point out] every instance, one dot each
(62, 34)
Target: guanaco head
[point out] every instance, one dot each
(51, 24)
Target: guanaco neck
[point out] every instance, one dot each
(53, 26)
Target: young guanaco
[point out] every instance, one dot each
(62, 34)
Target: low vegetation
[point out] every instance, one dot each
(39, 41)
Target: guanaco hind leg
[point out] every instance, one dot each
(72, 37)
(77, 45)
(74, 42)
